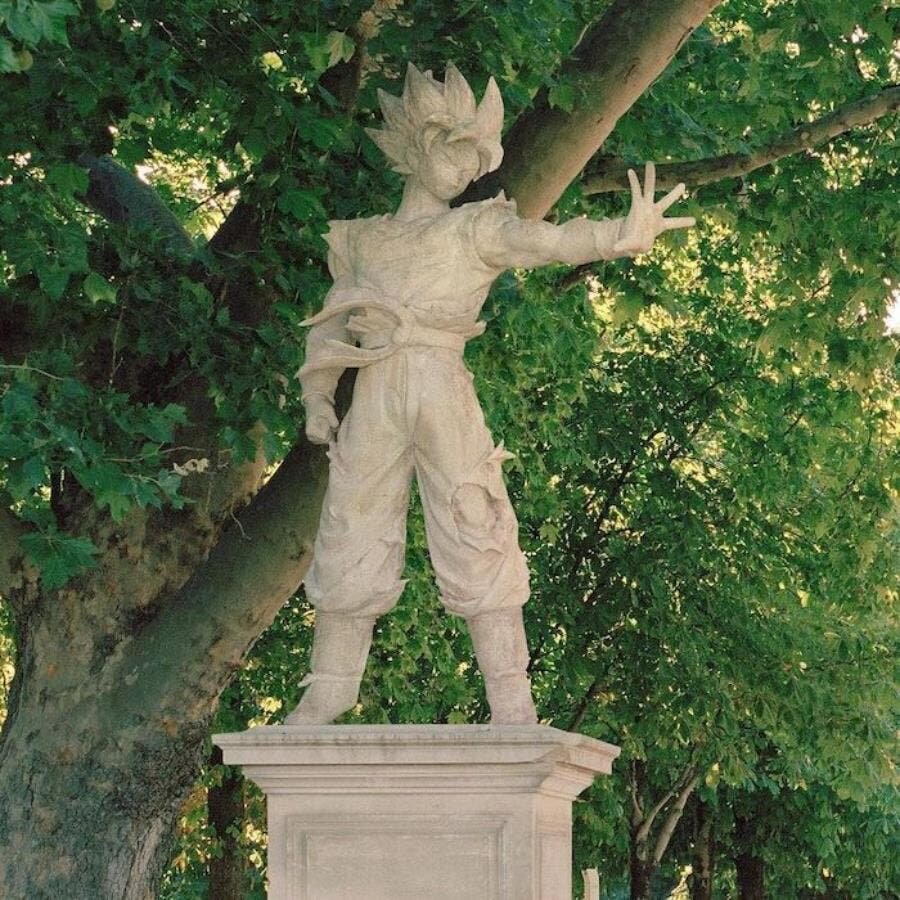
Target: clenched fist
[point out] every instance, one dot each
(321, 422)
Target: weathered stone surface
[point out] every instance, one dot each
(408, 290)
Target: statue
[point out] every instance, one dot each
(407, 292)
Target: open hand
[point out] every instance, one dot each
(645, 219)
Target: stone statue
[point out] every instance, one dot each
(407, 292)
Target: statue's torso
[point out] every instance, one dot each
(430, 266)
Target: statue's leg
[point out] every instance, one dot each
(502, 652)
(360, 546)
(473, 536)
(340, 649)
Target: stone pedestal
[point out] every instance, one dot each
(409, 812)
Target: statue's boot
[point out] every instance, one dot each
(339, 653)
(502, 653)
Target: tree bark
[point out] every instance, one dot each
(106, 729)
(641, 873)
(10, 529)
(749, 866)
(225, 802)
(701, 884)
(750, 877)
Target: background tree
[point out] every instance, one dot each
(706, 437)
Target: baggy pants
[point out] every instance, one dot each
(416, 412)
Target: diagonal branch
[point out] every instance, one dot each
(616, 61)
(610, 174)
(208, 625)
(121, 197)
(672, 820)
(581, 710)
(636, 784)
(644, 829)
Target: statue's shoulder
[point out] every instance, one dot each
(481, 220)
(498, 205)
(339, 237)
(494, 210)
(341, 229)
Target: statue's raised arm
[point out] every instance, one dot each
(510, 241)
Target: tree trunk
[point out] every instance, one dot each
(111, 704)
(225, 801)
(750, 867)
(225, 807)
(641, 872)
(88, 803)
(701, 884)
(750, 876)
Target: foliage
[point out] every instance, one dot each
(705, 438)
(30, 23)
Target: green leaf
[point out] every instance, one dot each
(53, 279)
(302, 205)
(98, 289)
(108, 484)
(317, 51)
(34, 20)
(878, 24)
(340, 47)
(58, 556)
(627, 309)
(68, 178)
(9, 62)
(22, 477)
(562, 96)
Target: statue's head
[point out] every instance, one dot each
(436, 131)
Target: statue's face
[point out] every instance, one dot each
(449, 167)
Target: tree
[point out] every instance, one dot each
(160, 503)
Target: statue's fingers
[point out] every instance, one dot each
(635, 186)
(649, 180)
(683, 222)
(673, 196)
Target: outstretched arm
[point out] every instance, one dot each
(522, 243)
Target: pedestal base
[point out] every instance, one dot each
(409, 812)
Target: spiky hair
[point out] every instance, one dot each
(428, 108)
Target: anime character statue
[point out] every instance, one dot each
(407, 292)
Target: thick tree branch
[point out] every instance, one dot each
(123, 198)
(207, 627)
(616, 61)
(611, 174)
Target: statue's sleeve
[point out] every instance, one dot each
(503, 240)
(320, 372)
